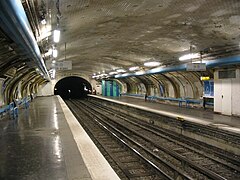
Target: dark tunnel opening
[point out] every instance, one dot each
(72, 88)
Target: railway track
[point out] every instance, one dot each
(212, 131)
(173, 158)
(224, 144)
(214, 153)
(127, 163)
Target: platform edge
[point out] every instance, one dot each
(97, 165)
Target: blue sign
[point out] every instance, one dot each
(208, 88)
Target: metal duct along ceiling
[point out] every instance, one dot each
(14, 23)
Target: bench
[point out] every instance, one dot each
(192, 101)
(133, 95)
(178, 100)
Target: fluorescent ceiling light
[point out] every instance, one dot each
(157, 69)
(43, 21)
(104, 74)
(56, 36)
(55, 53)
(120, 70)
(189, 56)
(134, 68)
(125, 74)
(96, 76)
(152, 64)
(203, 61)
(140, 72)
(113, 72)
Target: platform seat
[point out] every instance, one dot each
(133, 95)
(157, 98)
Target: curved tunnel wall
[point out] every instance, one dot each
(180, 84)
(19, 86)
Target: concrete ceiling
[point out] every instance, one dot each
(103, 35)
(108, 34)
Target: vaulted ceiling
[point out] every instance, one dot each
(104, 35)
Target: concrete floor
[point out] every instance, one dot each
(40, 145)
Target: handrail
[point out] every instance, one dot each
(10, 107)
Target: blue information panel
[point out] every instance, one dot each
(110, 88)
(208, 88)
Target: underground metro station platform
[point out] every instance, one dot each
(47, 140)
(127, 89)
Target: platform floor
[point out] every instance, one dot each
(40, 144)
(231, 123)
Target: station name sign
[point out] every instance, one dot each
(196, 67)
(62, 65)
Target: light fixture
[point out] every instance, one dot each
(55, 53)
(140, 72)
(54, 61)
(113, 72)
(95, 76)
(204, 78)
(43, 21)
(152, 64)
(134, 68)
(189, 56)
(103, 74)
(201, 61)
(121, 70)
(56, 36)
(125, 74)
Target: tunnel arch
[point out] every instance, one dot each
(72, 87)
